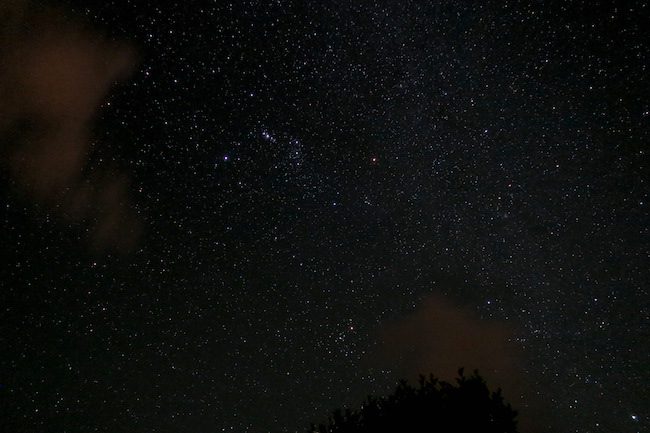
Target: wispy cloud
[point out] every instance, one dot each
(54, 75)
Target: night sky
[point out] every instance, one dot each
(238, 216)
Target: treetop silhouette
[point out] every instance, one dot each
(434, 407)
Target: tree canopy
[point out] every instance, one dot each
(434, 407)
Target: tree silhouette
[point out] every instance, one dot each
(433, 407)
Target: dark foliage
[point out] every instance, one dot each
(434, 407)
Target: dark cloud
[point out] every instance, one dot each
(439, 337)
(54, 75)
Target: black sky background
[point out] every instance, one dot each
(306, 174)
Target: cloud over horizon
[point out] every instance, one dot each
(439, 337)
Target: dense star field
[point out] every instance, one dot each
(272, 209)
